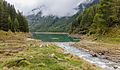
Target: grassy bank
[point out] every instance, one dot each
(107, 45)
(112, 36)
(18, 52)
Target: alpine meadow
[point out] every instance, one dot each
(59, 34)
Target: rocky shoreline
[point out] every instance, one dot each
(102, 50)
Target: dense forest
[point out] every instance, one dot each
(12, 20)
(99, 19)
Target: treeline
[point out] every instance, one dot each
(98, 19)
(10, 19)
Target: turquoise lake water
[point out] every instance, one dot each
(55, 38)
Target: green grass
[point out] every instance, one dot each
(18, 53)
(112, 40)
(112, 36)
(45, 58)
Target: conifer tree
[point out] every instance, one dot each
(100, 18)
(99, 25)
(16, 25)
(10, 23)
(10, 19)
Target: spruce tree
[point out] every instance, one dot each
(16, 25)
(10, 19)
(99, 25)
(10, 23)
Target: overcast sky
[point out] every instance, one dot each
(48, 7)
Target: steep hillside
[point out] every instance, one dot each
(10, 19)
(37, 22)
(49, 23)
(101, 19)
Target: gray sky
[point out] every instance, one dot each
(48, 7)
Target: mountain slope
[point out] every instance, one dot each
(10, 19)
(50, 23)
(101, 19)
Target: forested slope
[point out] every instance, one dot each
(99, 19)
(49, 23)
(10, 19)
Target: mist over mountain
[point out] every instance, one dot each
(48, 7)
(40, 21)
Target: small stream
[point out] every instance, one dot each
(103, 63)
(64, 41)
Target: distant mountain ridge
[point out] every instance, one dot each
(39, 23)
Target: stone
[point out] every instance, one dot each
(93, 54)
(115, 67)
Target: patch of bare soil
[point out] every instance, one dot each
(11, 43)
(102, 50)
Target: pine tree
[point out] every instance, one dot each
(115, 17)
(10, 23)
(100, 18)
(23, 24)
(99, 25)
(16, 25)
(10, 19)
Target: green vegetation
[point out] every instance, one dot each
(10, 19)
(45, 58)
(113, 37)
(99, 20)
(17, 52)
(49, 23)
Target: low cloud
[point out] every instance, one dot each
(48, 7)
